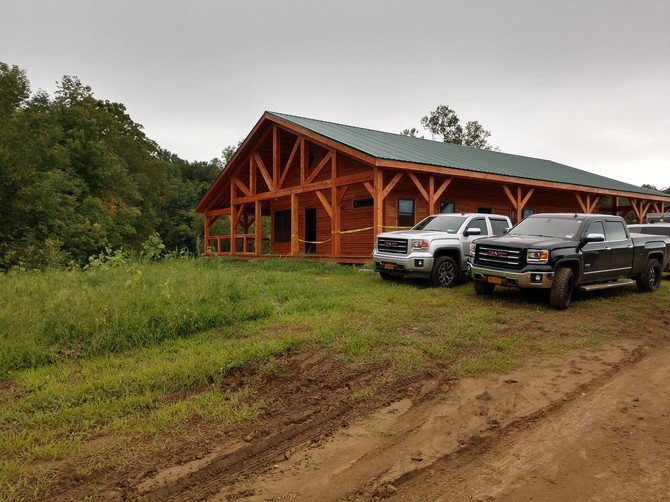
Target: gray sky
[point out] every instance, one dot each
(584, 83)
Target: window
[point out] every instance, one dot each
(615, 230)
(484, 209)
(596, 228)
(405, 212)
(498, 226)
(364, 203)
(282, 226)
(447, 207)
(479, 223)
(525, 213)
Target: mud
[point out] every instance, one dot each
(587, 425)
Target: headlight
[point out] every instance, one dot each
(473, 248)
(537, 256)
(419, 244)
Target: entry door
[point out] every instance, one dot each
(310, 230)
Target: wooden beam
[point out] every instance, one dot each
(391, 185)
(518, 200)
(419, 186)
(242, 186)
(319, 167)
(264, 171)
(335, 210)
(294, 225)
(206, 247)
(233, 218)
(369, 188)
(325, 203)
(258, 219)
(217, 212)
(303, 161)
(589, 205)
(340, 194)
(443, 187)
(378, 221)
(276, 156)
(252, 175)
(288, 164)
(352, 179)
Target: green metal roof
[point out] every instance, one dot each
(389, 146)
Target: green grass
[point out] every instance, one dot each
(99, 354)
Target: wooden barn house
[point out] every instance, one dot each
(300, 187)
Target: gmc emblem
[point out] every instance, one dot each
(498, 254)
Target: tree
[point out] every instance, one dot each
(412, 133)
(444, 123)
(77, 175)
(14, 89)
(229, 152)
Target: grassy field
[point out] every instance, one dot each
(85, 355)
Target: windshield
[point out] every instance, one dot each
(548, 227)
(449, 224)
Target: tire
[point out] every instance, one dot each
(445, 272)
(562, 288)
(484, 288)
(650, 280)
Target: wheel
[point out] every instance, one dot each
(444, 273)
(650, 280)
(484, 288)
(390, 277)
(561, 290)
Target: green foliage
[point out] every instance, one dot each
(445, 124)
(153, 247)
(78, 173)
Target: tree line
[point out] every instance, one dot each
(78, 175)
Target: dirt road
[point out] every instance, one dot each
(592, 426)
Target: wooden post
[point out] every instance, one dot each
(294, 225)
(206, 244)
(276, 155)
(378, 220)
(257, 227)
(335, 220)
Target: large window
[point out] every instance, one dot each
(283, 226)
(405, 212)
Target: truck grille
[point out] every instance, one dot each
(500, 257)
(393, 246)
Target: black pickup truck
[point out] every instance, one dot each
(561, 252)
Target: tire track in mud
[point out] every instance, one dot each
(453, 464)
(300, 428)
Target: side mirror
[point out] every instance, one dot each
(472, 231)
(593, 238)
(506, 230)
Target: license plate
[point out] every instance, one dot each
(388, 266)
(494, 280)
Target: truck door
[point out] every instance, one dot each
(597, 259)
(620, 248)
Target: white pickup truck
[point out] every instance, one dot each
(436, 248)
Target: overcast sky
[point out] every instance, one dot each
(581, 82)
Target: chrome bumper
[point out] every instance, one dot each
(540, 280)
